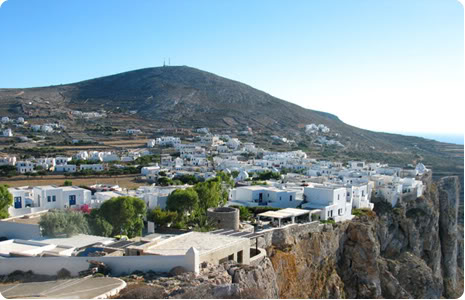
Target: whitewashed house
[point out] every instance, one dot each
(24, 166)
(50, 196)
(35, 127)
(46, 128)
(133, 131)
(46, 163)
(20, 120)
(5, 120)
(233, 143)
(28, 200)
(92, 167)
(66, 168)
(7, 132)
(421, 169)
(332, 201)
(151, 143)
(8, 161)
(410, 185)
(150, 169)
(109, 157)
(168, 141)
(62, 160)
(243, 175)
(81, 155)
(263, 195)
(360, 196)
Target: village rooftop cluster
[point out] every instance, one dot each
(305, 190)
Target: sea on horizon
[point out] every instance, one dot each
(440, 137)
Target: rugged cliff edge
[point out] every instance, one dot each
(411, 251)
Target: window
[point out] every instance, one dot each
(54, 198)
(338, 197)
(290, 198)
(49, 199)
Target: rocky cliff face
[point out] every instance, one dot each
(409, 251)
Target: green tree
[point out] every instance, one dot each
(125, 214)
(162, 218)
(210, 194)
(65, 222)
(98, 225)
(244, 213)
(68, 183)
(6, 200)
(183, 201)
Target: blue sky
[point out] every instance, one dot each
(394, 66)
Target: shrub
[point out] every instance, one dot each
(142, 292)
(63, 274)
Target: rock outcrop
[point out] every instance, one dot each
(409, 251)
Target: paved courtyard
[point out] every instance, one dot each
(82, 288)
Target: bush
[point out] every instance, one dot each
(330, 221)
(244, 213)
(140, 291)
(63, 274)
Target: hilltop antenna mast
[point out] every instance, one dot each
(164, 61)
(169, 61)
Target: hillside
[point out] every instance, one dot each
(179, 96)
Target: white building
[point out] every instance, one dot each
(151, 144)
(243, 175)
(360, 196)
(24, 167)
(81, 155)
(146, 170)
(5, 120)
(92, 167)
(8, 161)
(62, 160)
(263, 195)
(210, 140)
(233, 143)
(30, 200)
(50, 196)
(421, 169)
(46, 128)
(168, 141)
(7, 132)
(133, 131)
(66, 168)
(410, 185)
(332, 201)
(109, 157)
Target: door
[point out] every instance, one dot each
(260, 198)
(18, 203)
(72, 200)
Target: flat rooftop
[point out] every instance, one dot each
(285, 213)
(202, 241)
(82, 288)
(78, 241)
(32, 219)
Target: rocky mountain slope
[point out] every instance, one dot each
(410, 251)
(180, 96)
